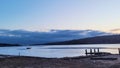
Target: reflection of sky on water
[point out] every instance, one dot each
(113, 51)
(57, 50)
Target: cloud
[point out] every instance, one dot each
(31, 37)
(118, 29)
(115, 31)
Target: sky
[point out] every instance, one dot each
(43, 15)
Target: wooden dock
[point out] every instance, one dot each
(95, 51)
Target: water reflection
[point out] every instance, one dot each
(57, 50)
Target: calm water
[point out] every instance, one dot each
(57, 50)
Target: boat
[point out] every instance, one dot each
(28, 48)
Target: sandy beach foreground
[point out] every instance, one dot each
(36, 62)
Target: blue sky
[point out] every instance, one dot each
(42, 15)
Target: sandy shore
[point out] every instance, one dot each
(35, 62)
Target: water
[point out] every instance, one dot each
(57, 50)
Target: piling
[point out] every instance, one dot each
(119, 50)
(86, 52)
(91, 51)
(94, 50)
(98, 50)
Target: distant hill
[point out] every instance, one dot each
(4, 45)
(110, 39)
(24, 37)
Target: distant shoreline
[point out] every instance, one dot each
(109, 39)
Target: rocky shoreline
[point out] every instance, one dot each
(69, 62)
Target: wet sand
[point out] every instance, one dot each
(37, 62)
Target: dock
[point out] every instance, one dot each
(95, 51)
